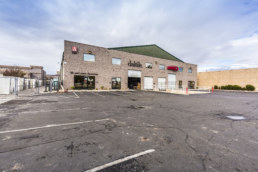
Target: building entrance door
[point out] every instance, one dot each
(134, 79)
(134, 83)
(191, 84)
(84, 82)
(171, 81)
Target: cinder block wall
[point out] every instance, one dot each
(240, 77)
(105, 70)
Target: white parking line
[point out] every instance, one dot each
(51, 126)
(97, 94)
(54, 110)
(117, 94)
(120, 160)
(76, 95)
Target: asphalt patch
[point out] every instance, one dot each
(16, 102)
(132, 165)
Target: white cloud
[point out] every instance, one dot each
(212, 34)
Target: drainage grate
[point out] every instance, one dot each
(236, 117)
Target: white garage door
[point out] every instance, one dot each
(148, 83)
(171, 81)
(161, 83)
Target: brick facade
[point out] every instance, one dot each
(104, 70)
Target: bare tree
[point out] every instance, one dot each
(14, 72)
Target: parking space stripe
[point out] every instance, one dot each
(120, 160)
(54, 110)
(76, 95)
(52, 125)
(97, 94)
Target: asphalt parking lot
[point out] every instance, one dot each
(84, 130)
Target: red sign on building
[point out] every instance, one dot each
(74, 50)
(174, 68)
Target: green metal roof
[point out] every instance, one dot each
(148, 50)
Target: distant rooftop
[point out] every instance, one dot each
(148, 50)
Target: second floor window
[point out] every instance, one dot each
(116, 61)
(180, 69)
(148, 65)
(161, 67)
(190, 70)
(89, 57)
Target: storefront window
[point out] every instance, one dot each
(180, 69)
(180, 85)
(148, 65)
(84, 82)
(116, 83)
(116, 61)
(161, 67)
(89, 57)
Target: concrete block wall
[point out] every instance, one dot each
(240, 77)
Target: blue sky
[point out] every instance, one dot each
(215, 34)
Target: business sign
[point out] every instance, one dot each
(74, 50)
(174, 68)
(134, 64)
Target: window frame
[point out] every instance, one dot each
(120, 84)
(149, 64)
(90, 55)
(180, 85)
(116, 59)
(163, 66)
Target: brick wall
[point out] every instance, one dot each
(105, 70)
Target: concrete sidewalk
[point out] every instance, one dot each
(24, 93)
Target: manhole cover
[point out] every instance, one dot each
(236, 117)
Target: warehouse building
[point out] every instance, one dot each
(146, 67)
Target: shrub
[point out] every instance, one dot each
(216, 87)
(237, 87)
(72, 87)
(250, 87)
(102, 87)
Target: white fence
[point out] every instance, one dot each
(9, 85)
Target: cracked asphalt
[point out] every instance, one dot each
(189, 133)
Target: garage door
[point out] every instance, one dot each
(171, 81)
(162, 83)
(148, 83)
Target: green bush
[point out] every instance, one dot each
(102, 87)
(237, 87)
(72, 87)
(216, 87)
(250, 87)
